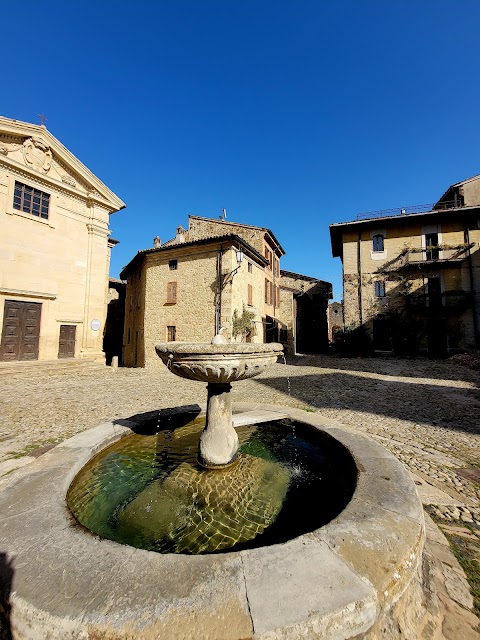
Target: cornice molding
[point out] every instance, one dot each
(27, 294)
(50, 183)
(96, 230)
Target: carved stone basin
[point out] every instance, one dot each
(221, 363)
(218, 365)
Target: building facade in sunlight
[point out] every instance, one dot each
(54, 248)
(411, 277)
(215, 274)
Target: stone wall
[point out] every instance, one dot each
(200, 228)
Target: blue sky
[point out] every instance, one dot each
(291, 115)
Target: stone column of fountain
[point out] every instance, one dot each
(218, 364)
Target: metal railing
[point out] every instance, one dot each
(405, 211)
(440, 253)
(455, 300)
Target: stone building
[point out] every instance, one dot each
(303, 312)
(411, 277)
(215, 274)
(334, 319)
(54, 248)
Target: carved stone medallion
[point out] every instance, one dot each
(3, 149)
(37, 154)
(69, 180)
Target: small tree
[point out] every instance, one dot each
(242, 325)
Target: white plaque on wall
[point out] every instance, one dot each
(95, 324)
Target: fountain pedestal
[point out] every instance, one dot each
(219, 441)
(218, 364)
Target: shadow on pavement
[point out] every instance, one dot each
(414, 367)
(6, 581)
(428, 404)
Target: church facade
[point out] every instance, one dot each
(54, 248)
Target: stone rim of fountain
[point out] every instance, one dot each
(70, 580)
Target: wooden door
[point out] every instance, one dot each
(21, 330)
(66, 343)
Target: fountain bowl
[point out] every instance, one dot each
(218, 363)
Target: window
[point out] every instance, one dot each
(171, 334)
(431, 244)
(377, 242)
(379, 289)
(250, 267)
(30, 200)
(267, 291)
(171, 292)
(250, 295)
(173, 265)
(269, 257)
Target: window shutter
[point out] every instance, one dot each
(172, 292)
(250, 295)
(266, 291)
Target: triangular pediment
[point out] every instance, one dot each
(34, 149)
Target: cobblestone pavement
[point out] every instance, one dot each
(425, 412)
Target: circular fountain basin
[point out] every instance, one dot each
(148, 491)
(355, 577)
(221, 363)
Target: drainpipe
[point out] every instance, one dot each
(359, 271)
(472, 288)
(218, 297)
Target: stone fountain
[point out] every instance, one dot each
(218, 364)
(357, 574)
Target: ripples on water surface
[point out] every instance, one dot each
(148, 491)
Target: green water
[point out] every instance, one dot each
(148, 491)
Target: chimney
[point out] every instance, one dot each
(180, 237)
(157, 242)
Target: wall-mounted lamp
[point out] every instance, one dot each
(229, 276)
(239, 253)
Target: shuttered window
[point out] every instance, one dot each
(250, 295)
(171, 334)
(171, 292)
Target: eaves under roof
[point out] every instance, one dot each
(300, 276)
(231, 239)
(244, 226)
(338, 228)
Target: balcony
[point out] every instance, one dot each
(441, 255)
(446, 303)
